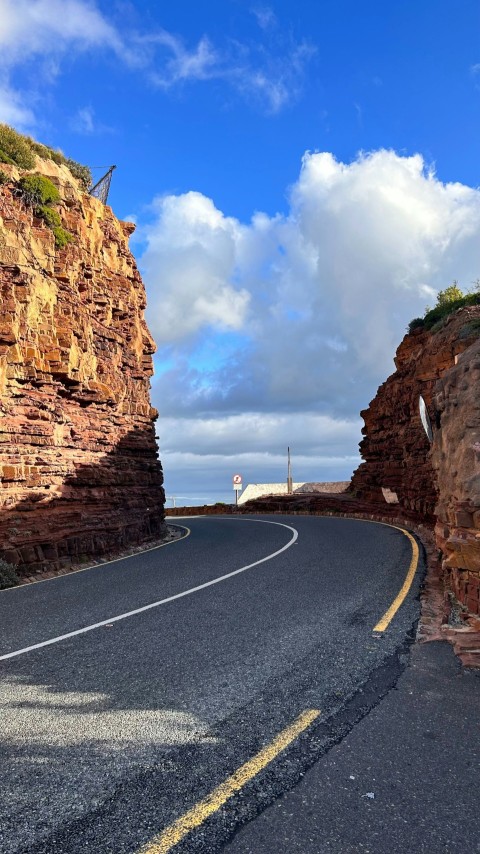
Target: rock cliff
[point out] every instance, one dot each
(456, 463)
(439, 482)
(79, 465)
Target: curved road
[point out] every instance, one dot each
(114, 732)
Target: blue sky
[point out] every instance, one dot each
(303, 176)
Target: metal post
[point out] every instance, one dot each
(289, 475)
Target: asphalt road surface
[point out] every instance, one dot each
(127, 722)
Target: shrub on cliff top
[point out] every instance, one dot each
(449, 295)
(45, 152)
(8, 575)
(4, 178)
(16, 146)
(21, 150)
(436, 314)
(448, 301)
(81, 173)
(416, 323)
(38, 190)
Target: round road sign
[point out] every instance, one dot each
(237, 479)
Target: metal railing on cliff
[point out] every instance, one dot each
(101, 189)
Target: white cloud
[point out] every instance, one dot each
(318, 298)
(190, 262)
(259, 433)
(271, 75)
(273, 78)
(203, 454)
(13, 110)
(362, 246)
(85, 122)
(274, 91)
(182, 65)
(45, 30)
(208, 478)
(46, 27)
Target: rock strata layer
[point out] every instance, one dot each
(456, 462)
(79, 467)
(439, 482)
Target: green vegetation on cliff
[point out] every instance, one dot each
(39, 192)
(21, 150)
(62, 236)
(15, 148)
(448, 301)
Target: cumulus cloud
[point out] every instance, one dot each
(317, 299)
(327, 290)
(190, 261)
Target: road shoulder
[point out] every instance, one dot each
(404, 779)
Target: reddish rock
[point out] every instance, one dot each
(79, 465)
(395, 449)
(456, 462)
(433, 485)
(439, 483)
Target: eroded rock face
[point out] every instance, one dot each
(456, 462)
(439, 481)
(79, 466)
(395, 448)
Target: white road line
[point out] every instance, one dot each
(99, 565)
(161, 601)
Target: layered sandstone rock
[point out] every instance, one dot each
(456, 462)
(395, 448)
(440, 482)
(79, 466)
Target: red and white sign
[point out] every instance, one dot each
(237, 481)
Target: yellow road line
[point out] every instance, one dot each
(173, 834)
(388, 616)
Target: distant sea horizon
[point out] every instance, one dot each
(198, 499)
